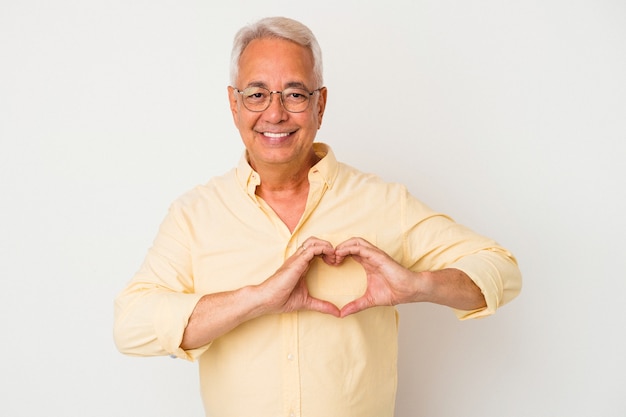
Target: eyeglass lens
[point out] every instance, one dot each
(294, 100)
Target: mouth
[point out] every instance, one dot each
(276, 135)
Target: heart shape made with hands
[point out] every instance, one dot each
(338, 284)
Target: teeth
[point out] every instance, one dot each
(275, 135)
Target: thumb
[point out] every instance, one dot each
(322, 306)
(355, 306)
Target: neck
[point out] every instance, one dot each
(286, 190)
(285, 178)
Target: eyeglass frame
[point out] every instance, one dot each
(271, 93)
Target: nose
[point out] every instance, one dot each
(275, 112)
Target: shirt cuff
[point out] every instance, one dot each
(170, 323)
(497, 275)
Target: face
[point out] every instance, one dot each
(274, 136)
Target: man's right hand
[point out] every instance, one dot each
(286, 290)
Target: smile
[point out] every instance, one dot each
(276, 135)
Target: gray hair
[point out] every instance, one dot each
(277, 28)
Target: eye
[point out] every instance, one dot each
(296, 95)
(254, 94)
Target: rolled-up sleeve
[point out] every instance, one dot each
(152, 312)
(496, 273)
(434, 241)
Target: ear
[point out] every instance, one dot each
(233, 102)
(321, 105)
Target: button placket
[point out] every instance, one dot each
(291, 367)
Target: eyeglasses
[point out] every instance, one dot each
(293, 99)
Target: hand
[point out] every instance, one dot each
(287, 289)
(388, 283)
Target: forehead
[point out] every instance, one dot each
(275, 63)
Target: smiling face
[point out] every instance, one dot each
(275, 137)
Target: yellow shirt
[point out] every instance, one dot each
(221, 236)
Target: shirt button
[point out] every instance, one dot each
(290, 357)
(292, 414)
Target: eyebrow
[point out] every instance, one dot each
(292, 84)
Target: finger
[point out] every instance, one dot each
(322, 306)
(316, 247)
(355, 241)
(314, 241)
(355, 306)
(353, 246)
(353, 250)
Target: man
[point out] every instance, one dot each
(281, 276)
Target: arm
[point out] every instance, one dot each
(159, 304)
(389, 283)
(159, 311)
(285, 291)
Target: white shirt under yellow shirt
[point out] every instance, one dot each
(221, 236)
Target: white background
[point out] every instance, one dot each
(509, 116)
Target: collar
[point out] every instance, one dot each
(325, 170)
